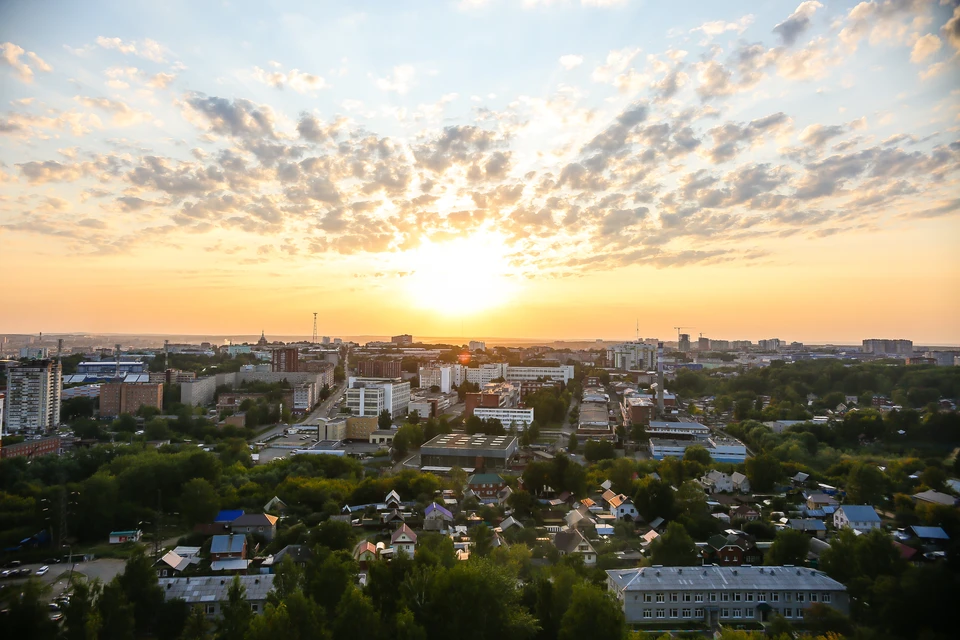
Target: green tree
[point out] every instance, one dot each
(572, 443)
(596, 450)
(235, 613)
(763, 471)
(592, 613)
(199, 502)
(81, 619)
(197, 626)
(654, 499)
(789, 547)
(384, 420)
(482, 540)
(699, 454)
(26, 616)
(865, 484)
(356, 617)
(675, 548)
(414, 417)
(116, 613)
(139, 586)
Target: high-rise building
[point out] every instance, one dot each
(477, 344)
(33, 396)
(772, 344)
(703, 344)
(286, 359)
(124, 397)
(379, 368)
(402, 339)
(368, 397)
(877, 346)
(34, 353)
(632, 356)
(437, 377)
(684, 343)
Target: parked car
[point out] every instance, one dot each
(12, 564)
(25, 571)
(5, 573)
(43, 570)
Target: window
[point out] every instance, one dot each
(813, 596)
(713, 597)
(647, 614)
(211, 609)
(826, 598)
(660, 613)
(674, 613)
(787, 597)
(737, 613)
(724, 613)
(685, 613)
(749, 613)
(761, 597)
(699, 597)
(673, 597)
(254, 607)
(647, 597)
(686, 597)
(659, 597)
(698, 613)
(724, 597)
(749, 596)
(736, 596)
(788, 613)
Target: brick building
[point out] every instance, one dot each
(379, 368)
(286, 360)
(121, 397)
(31, 448)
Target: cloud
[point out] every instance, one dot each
(161, 80)
(239, 118)
(883, 22)
(295, 79)
(951, 30)
(11, 55)
(616, 63)
(719, 27)
(569, 62)
(146, 48)
(925, 47)
(817, 135)
(401, 80)
(122, 114)
(797, 23)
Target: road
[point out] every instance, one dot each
(321, 412)
(58, 576)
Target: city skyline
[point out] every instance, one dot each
(539, 170)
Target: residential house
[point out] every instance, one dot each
(260, 524)
(745, 512)
(486, 486)
(404, 540)
(299, 554)
(731, 549)
(607, 496)
(820, 500)
(935, 497)
(364, 553)
(226, 547)
(800, 479)
(275, 505)
(721, 595)
(740, 482)
(649, 537)
(717, 482)
(935, 535)
(578, 517)
(859, 517)
(510, 522)
(622, 507)
(572, 541)
(392, 501)
(436, 517)
(504, 495)
(814, 527)
(211, 592)
(171, 564)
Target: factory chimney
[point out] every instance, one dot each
(660, 377)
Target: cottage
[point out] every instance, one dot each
(858, 517)
(260, 524)
(572, 541)
(364, 553)
(717, 482)
(487, 486)
(392, 501)
(510, 522)
(731, 549)
(935, 497)
(404, 540)
(275, 505)
(930, 534)
(504, 495)
(211, 592)
(436, 517)
(745, 512)
(814, 527)
(740, 482)
(227, 547)
(578, 517)
(800, 479)
(171, 564)
(621, 507)
(820, 500)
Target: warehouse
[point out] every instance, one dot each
(466, 451)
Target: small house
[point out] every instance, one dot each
(364, 553)
(436, 517)
(260, 524)
(572, 541)
(392, 501)
(227, 547)
(622, 507)
(858, 517)
(745, 512)
(486, 486)
(404, 540)
(813, 527)
(740, 482)
(717, 482)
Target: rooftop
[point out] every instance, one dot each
(712, 577)
(859, 513)
(468, 442)
(214, 588)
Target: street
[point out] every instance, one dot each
(322, 411)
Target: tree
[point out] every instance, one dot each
(654, 499)
(698, 453)
(235, 612)
(81, 620)
(27, 616)
(675, 548)
(865, 484)
(789, 547)
(572, 442)
(592, 613)
(199, 502)
(356, 617)
(139, 585)
(763, 471)
(197, 627)
(482, 540)
(596, 450)
(116, 613)
(414, 417)
(385, 420)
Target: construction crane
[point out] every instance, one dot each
(679, 329)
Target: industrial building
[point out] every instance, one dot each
(103, 368)
(721, 449)
(722, 595)
(594, 421)
(469, 452)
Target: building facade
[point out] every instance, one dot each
(520, 418)
(632, 356)
(563, 373)
(368, 397)
(33, 396)
(120, 397)
(379, 368)
(878, 346)
(403, 339)
(712, 594)
(286, 360)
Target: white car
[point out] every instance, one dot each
(42, 570)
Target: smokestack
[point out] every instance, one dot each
(117, 346)
(60, 349)
(660, 377)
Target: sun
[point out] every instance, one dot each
(461, 276)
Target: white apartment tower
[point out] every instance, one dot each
(33, 397)
(633, 356)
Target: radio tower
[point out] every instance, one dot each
(314, 327)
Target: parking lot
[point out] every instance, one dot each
(58, 574)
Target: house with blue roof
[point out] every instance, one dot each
(227, 516)
(861, 518)
(930, 533)
(228, 547)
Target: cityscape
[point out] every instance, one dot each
(478, 319)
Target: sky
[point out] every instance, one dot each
(533, 168)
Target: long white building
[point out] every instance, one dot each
(633, 356)
(437, 377)
(370, 396)
(33, 396)
(522, 418)
(563, 373)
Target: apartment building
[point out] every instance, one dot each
(370, 396)
(887, 347)
(727, 595)
(122, 397)
(33, 396)
(529, 374)
(286, 360)
(379, 368)
(633, 356)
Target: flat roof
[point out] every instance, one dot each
(467, 442)
(720, 578)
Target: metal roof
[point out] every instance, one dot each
(228, 544)
(930, 533)
(214, 588)
(721, 578)
(231, 564)
(859, 513)
(228, 515)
